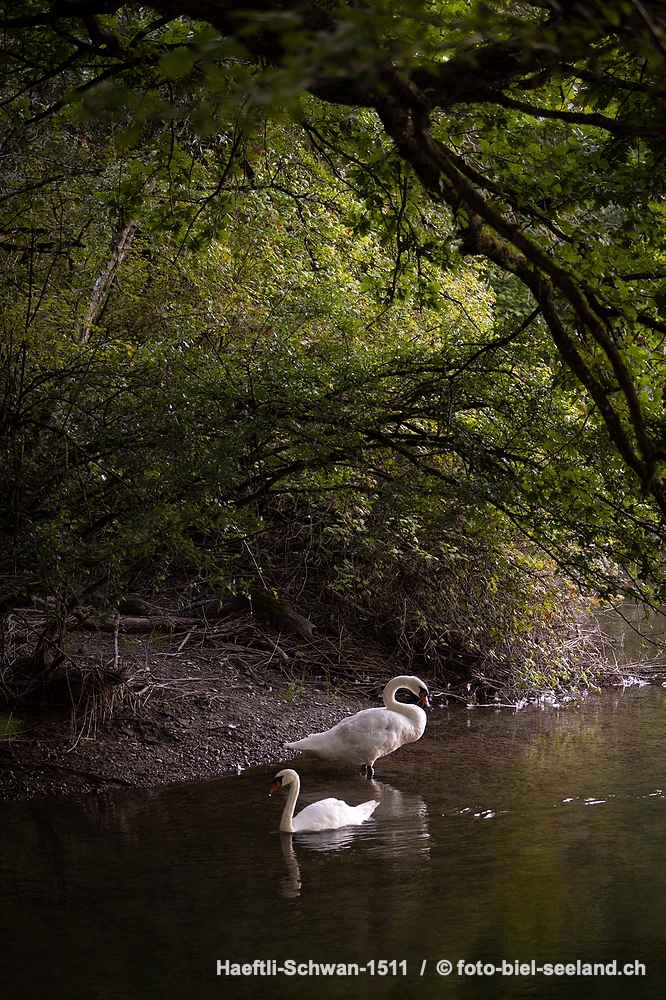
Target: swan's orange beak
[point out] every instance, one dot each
(276, 786)
(423, 695)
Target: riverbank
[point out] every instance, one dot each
(160, 707)
(182, 713)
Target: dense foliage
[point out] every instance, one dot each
(398, 270)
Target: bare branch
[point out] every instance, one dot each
(580, 118)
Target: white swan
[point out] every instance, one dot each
(374, 732)
(327, 814)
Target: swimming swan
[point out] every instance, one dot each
(374, 732)
(327, 814)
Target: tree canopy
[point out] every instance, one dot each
(467, 198)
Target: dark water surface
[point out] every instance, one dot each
(501, 836)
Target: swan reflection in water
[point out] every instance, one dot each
(399, 827)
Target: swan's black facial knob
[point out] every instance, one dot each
(276, 786)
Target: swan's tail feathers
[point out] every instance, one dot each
(304, 744)
(368, 808)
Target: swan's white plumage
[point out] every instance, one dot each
(327, 814)
(374, 732)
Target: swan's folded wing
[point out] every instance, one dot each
(332, 814)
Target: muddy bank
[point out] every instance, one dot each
(187, 713)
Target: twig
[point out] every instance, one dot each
(189, 634)
(115, 641)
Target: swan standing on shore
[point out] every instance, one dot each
(374, 732)
(327, 814)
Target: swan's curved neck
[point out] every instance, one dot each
(286, 824)
(399, 706)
